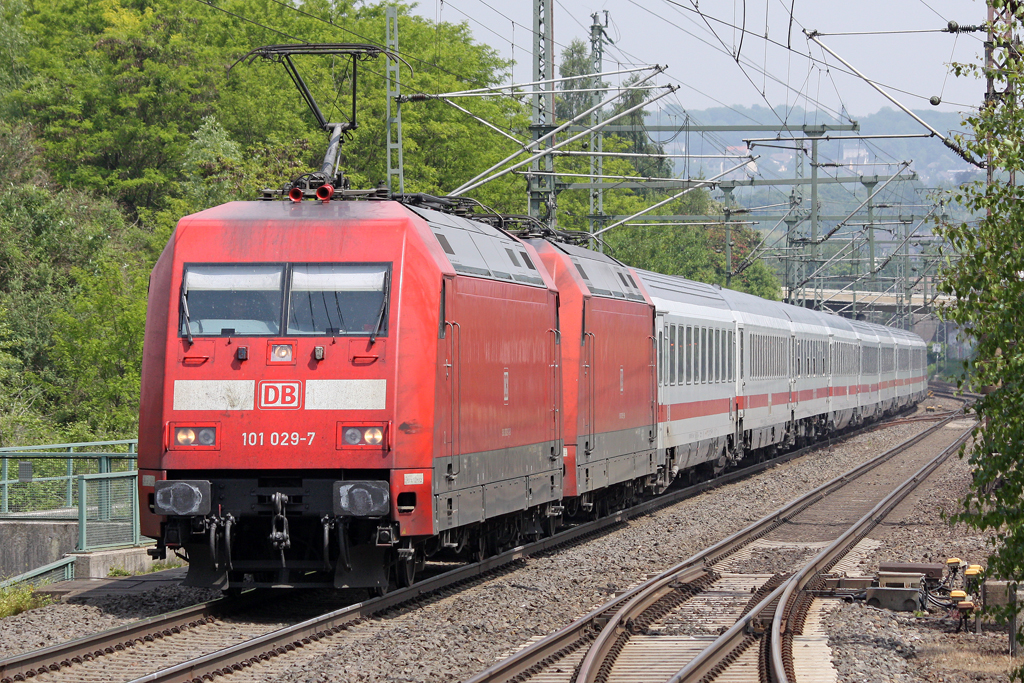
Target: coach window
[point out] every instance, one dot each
(742, 363)
(759, 346)
(713, 356)
(231, 300)
(732, 356)
(671, 354)
(680, 350)
(338, 299)
(719, 356)
(688, 353)
(725, 355)
(713, 359)
(757, 369)
(755, 365)
(703, 355)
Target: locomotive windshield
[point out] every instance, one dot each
(224, 300)
(337, 299)
(324, 299)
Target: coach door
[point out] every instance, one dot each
(452, 402)
(792, 372)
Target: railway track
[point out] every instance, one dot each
(714, 612)
(198, 641)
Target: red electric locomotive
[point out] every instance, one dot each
(323, 389)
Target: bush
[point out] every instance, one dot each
(20, 598)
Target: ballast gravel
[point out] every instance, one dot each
(454, 637)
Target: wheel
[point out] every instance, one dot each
(480, 548)
(405, 569)
(550, 525)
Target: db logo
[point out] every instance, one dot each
(280, 395)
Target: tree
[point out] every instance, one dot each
(575, 61)
(987, 279)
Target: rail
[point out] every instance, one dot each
(713, 656)
(600, 629)
(781, 666)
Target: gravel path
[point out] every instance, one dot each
(455, 637)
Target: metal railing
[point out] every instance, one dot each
(87, 481)
(42, 481)
(55, 572)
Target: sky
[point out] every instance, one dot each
(700, 47)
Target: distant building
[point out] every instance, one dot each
(855, 154)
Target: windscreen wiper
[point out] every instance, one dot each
(184, 308)
(383, 307)
(341, 316)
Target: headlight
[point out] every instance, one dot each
(373, 436)
(281, 353)
(194, 436)
(362, 435)
(184, 436)
(207, 436)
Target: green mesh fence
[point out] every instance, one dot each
(107, 510)
(37, 483)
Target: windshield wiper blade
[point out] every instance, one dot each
(341, 316)
(184, 308)
(383, 307)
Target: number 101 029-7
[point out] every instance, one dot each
(277, 438)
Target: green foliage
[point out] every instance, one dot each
(18, 599)
(575, 61)
(53, 243)
(988, 280)
(97, 346)
(114, 91)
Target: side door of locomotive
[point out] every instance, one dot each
(588, 388)
(450, 404)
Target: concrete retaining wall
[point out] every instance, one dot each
(28, 544)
